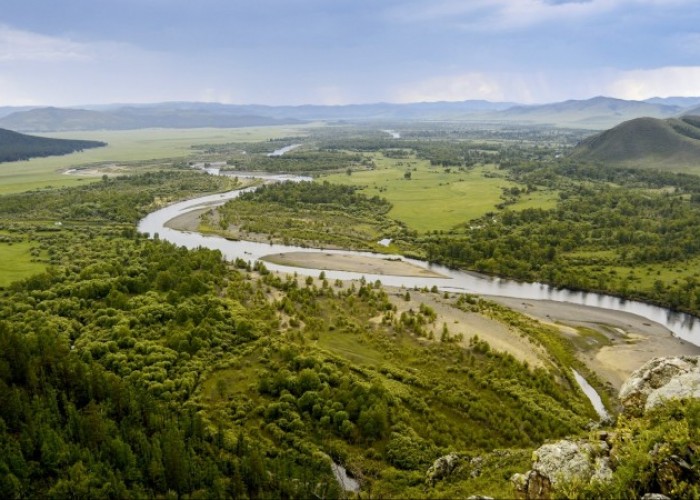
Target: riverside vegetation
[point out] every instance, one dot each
(519, 212)
(131, 367)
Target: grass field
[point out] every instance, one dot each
(124, 146)
(16, 263)
(435, 198)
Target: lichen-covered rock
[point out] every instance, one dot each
(655, 496)
(475, 465)
(441, 468)
(531, 485)
(680, 387)
(659, 380)
(563, 462)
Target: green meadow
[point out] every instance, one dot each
(124, 146)
(16, 262)
(435, 198)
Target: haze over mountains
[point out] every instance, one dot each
(598, 113)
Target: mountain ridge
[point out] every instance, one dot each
(595, 113)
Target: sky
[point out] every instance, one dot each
(276, 52)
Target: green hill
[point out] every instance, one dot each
(15, 146)
(596, 113)
(673, 143)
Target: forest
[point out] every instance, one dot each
(308, 214)
(15, 146)
(627, 232)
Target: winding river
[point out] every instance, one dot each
(684, 326)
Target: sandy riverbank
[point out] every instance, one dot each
(634, 340)
(188, 221)
(351, 263)
(500, 336)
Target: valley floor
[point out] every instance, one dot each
(631, 340)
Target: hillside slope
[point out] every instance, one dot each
(15, 146)
(672, 143)
(595, 113)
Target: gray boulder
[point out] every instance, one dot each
(442, 468)
(564, 462)
(659, 380)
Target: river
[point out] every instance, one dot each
(592, 396)
(282, 151)
(684, 326)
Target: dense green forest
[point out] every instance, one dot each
(15, 146)
(308, 214)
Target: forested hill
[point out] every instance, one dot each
(672, 143)
(15, 146)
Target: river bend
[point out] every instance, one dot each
(684, 326)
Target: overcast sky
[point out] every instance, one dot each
(71, 52)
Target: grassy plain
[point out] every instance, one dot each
(16, 262)
(125, 146)
(435, 198)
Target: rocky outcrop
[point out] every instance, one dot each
(564, 462)
(583, 462)
(659, 380)
(442, 468)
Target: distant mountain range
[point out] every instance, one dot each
(126, 118)
(596, 113)
(671, 143)
(15, 146)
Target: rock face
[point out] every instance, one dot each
(563, 462)
(659, 380)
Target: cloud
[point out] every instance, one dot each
(210, 94)
(659, 82)
(14, 95)
(559, 2)
(552, 86)
(489, 15)
(17, 45)
(471, 85)
(495, 12)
